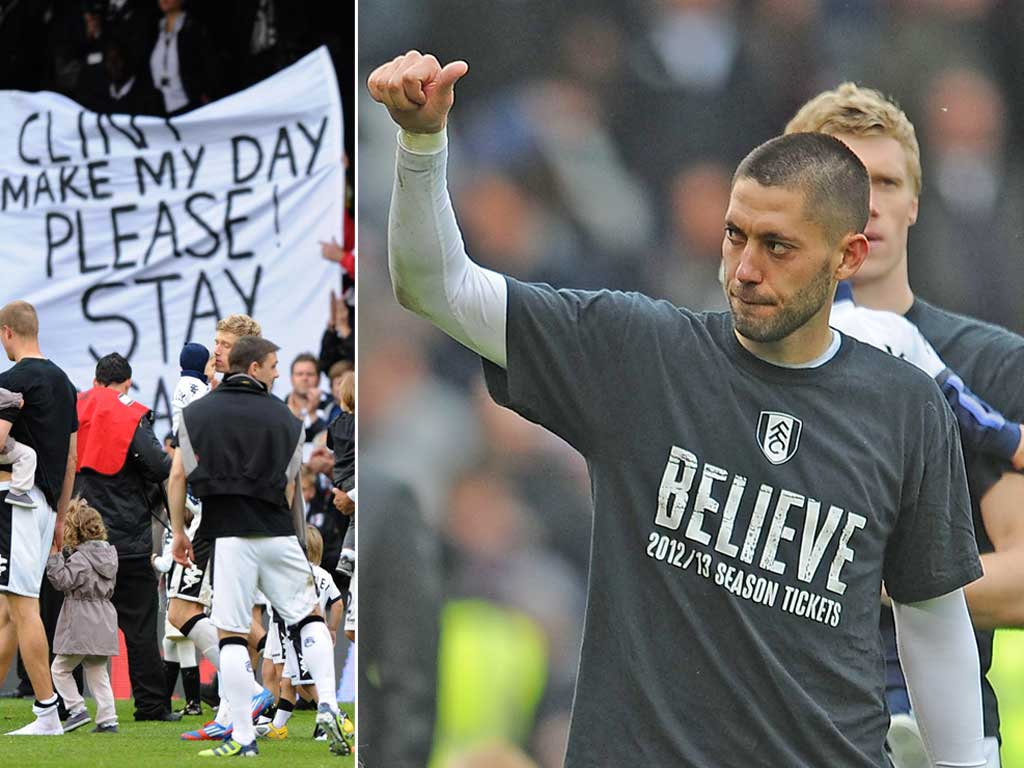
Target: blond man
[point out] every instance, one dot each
(48, 423)
(189, 590)
(990, 358)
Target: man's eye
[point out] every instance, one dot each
(775, 248)
(732, 233)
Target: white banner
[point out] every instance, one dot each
(135, 235)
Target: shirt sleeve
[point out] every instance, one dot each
(564, 363)
(932, 550)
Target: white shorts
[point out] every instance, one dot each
(350, 604)
(274, 564)
(25, 539)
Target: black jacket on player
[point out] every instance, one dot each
(241, 448)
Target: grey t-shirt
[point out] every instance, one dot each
(745, 517)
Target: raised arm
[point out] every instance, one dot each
(430, 271)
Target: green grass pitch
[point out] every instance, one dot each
(148, 743)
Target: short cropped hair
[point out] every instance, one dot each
(305, 357)
(314, 545)
(112, 369)
(858, 111)
(249, 350)
(240, 325)
(835, 183)
(82, 523)
(20, 317)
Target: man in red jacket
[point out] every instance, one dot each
(120, 464)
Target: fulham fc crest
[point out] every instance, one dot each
(778, 435)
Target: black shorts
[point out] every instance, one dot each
(194, 582)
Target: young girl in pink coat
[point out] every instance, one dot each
(87, 627)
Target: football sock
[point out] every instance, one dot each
(45, 708)
(236, 677)
(190, 682)
(170, 676)
(284, 712)
(203, 633)
(223, 716)
(318, 653)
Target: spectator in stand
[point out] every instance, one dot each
(182, 61)
(126, 91)
(78, 54)
(306, 401)
(119, 460)
(339, 340)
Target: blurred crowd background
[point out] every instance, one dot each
(592, 145)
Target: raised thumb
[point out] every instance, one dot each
(450, 73)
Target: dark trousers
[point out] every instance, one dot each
(137, 604)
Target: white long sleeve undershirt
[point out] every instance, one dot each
(431, 272)
(939, 656)
(433, 276)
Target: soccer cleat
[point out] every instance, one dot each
(105, 728)
(20, 500)
(268, 731)
(260, 702)
(333, 724)
(231, 748)
(905, 745)
(211, 731)
(76, 720)
(47, 725)
(192, 708)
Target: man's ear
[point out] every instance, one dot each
(854, 247)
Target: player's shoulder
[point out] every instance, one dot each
(936, 321)
(886, 370)
(607, 303)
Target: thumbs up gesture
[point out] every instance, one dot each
(417, 90)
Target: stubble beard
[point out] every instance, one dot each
(802, 307)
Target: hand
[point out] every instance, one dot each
(295, 404)
(321, 461)
(332, 251)
(54, 549)
(343, 502)
(181, 550)
(417, 90)
(312, 402)
(58, 536)
(1018, 457)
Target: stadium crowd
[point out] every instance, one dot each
(164, 58)
(597, 151)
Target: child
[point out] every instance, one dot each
(179, 651)
(22, 458)
(284, 653)
(193, 384)
(87, 627)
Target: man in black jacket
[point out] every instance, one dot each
(120, 463)
(241, 450)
